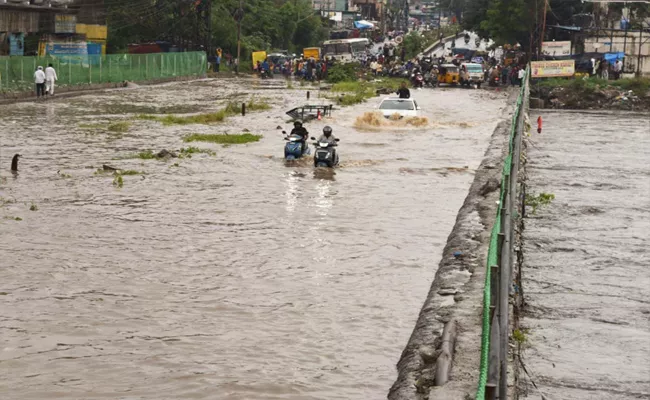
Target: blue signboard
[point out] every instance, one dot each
(17, 44)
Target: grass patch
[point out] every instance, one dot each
(187, 152)
(33, 207)
(223, 138)
(519, 336)
(359, 91)
(231, 108)
(146, 155)
(119, 127)
(590, 85)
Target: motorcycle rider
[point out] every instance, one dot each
(328, 138)
(299, 130)
(404, 92)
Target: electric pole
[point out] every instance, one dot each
(239, 15)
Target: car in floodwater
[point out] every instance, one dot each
(392, 106)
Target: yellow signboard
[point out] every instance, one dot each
(311, 52)
(551, 69)
(258, 56)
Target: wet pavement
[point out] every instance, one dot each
(231, 276)
(585, 276)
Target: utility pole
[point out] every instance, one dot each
(541, 39)
(239, 15)
(208, 25)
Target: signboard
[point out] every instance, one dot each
(65, 24)
(16, 44)
(556, 49)
(550, 69)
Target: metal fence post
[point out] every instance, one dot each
(90, 72)
(100, 69)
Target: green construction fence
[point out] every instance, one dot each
(17, 72)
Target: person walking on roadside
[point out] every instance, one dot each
(39, 79)
(520, 76)
(618, 69)
(50, 78)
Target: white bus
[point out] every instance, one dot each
(345, 50)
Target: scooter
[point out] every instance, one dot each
(295, 147)
(325, 156)
(418, 80)
(494, 81)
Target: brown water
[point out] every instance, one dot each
(231, 276)
(585, 278)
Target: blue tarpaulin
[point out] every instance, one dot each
(612, 57)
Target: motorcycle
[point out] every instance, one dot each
(265, 74)
(295, 147)
(418, 80)
(325, 155)
(494, 81)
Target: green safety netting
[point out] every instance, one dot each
(17, 73)
(493, 250)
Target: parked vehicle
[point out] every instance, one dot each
(392, 106)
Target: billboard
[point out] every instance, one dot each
(556, 49)
(65, 23)
(550, 69)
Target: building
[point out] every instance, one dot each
(39, 27)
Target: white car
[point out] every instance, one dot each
(402, 107)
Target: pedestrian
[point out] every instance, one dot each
(39, 79)
(618, 69)
(50, 78)
(520, 76)
(217, 61)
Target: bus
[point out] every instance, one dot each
(345, 50)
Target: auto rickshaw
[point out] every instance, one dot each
(449, 74)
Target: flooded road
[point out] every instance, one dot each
(230, 276)
(585, 276)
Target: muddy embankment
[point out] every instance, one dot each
(441, 359)
(586, 95)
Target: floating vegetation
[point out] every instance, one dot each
(33, 207)
(64, 175)
(187, 152)
(128, 172)
(119, 127)
(223, 138)
(118, 181)
(538, 201)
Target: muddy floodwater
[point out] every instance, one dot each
(586, 278)
(225, 276)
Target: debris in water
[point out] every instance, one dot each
(164, 153)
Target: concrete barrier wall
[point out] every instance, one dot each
(438, 366)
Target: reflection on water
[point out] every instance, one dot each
(231, 276)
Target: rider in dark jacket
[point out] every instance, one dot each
(299, 130)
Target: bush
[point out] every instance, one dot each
(344, 72)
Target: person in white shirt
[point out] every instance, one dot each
(39, 79)
(50, 78)
(618, 69)
(522, 73)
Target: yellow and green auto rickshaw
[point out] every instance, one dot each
(449, 74)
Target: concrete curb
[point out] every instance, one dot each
(457, 290)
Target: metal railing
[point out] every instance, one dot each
(493, 376)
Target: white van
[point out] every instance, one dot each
(471, 74)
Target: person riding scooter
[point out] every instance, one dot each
(327, 136)
(325, 155)
(299, 130)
